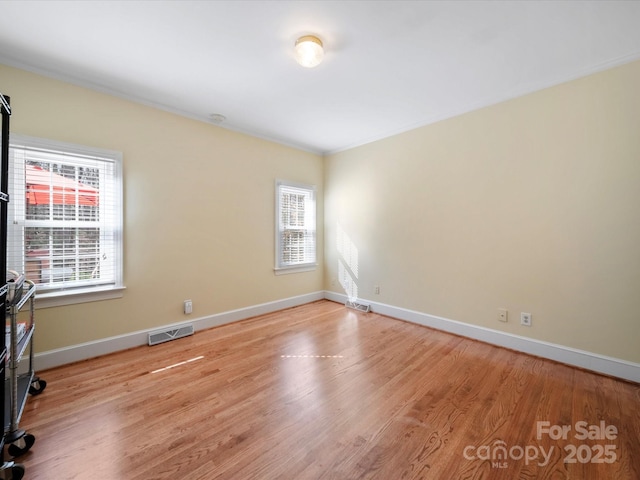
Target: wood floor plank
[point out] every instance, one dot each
(321, 392)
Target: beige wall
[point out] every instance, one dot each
(532, 205)
(199, 209)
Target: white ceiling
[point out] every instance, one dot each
(389, 66)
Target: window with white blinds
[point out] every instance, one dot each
(65, 215)
(295, 227)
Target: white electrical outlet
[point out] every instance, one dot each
(503, 315)
(525, 319)
(188, 307)
(376, 289)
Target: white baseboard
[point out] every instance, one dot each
(590, 361)
(579, 358)
(75, 353)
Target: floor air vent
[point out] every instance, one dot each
(358, 306)
(170, 334)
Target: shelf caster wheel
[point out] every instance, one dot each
(17, 472)
(21, 446)
(37, 386)
(11, 471)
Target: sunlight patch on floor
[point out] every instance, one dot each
(178, 364)
(311, 356)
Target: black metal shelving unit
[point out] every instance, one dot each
(8, 469)
(18, 386)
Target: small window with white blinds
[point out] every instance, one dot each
(65, 215)
(295, 227)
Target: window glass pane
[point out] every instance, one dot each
(55, 255)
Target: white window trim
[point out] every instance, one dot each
(100, 291)
(302, 267)
(85, 295)
(307, 267)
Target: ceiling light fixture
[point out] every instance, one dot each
(309, 51)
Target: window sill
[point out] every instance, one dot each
(298, 269)
(60, 299)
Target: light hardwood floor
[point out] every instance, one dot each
(323, 392)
